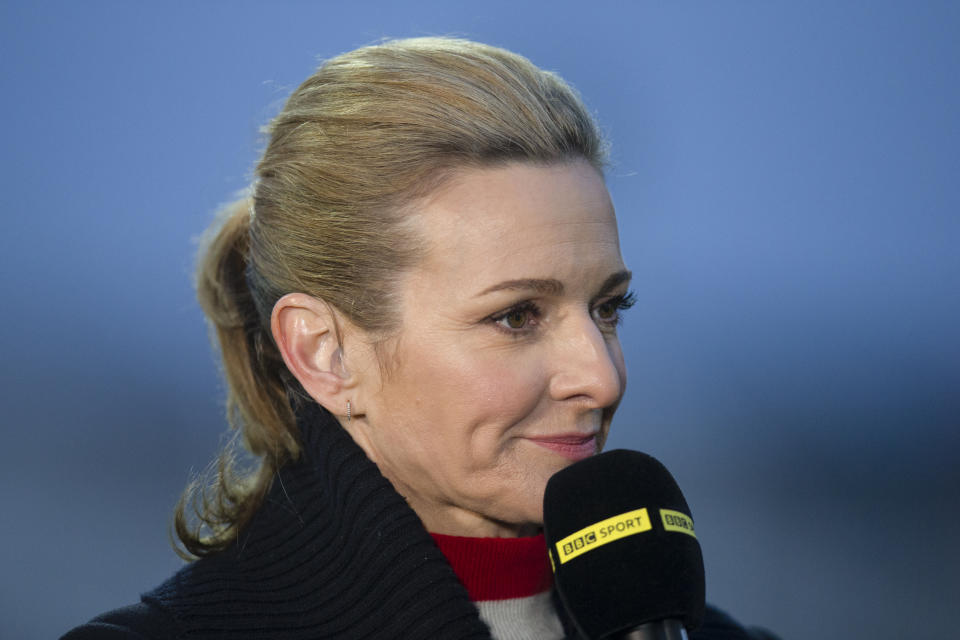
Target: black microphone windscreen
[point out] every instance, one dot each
(621, 540)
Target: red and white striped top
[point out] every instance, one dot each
(509, 579)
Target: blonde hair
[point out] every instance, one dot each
(367, 134)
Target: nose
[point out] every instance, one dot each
(589, 366)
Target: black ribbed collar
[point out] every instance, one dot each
(334, 552)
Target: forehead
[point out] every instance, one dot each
(520, 220)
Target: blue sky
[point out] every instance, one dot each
(785, 176)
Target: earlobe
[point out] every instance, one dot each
(306, 331)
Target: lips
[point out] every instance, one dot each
(572, 447)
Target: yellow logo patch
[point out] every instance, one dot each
(600, 533)
(677, 521)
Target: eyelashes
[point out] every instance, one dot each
(523, 317)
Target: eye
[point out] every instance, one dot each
(518, 318)
(608, 311)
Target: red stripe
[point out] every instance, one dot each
(498, 568)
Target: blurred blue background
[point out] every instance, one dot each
(786, 177)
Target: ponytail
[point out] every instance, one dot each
(211, 511)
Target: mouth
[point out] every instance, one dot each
(573, 447)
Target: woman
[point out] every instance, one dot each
(417, 311)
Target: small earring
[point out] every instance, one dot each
(349, 415)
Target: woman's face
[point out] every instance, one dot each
(507, 367)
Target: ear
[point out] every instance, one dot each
(307, 333)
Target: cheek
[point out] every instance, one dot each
(462, 392)
(501, 390)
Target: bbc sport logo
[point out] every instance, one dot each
(579, 543)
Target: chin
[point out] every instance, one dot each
(531, 512)
(523, 509)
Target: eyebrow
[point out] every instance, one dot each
(546, 286)
(616, 280)
(552, 287)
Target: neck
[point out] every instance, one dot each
(472, 525)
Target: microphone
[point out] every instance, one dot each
(626, 560)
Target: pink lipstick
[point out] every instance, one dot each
(572, 447)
